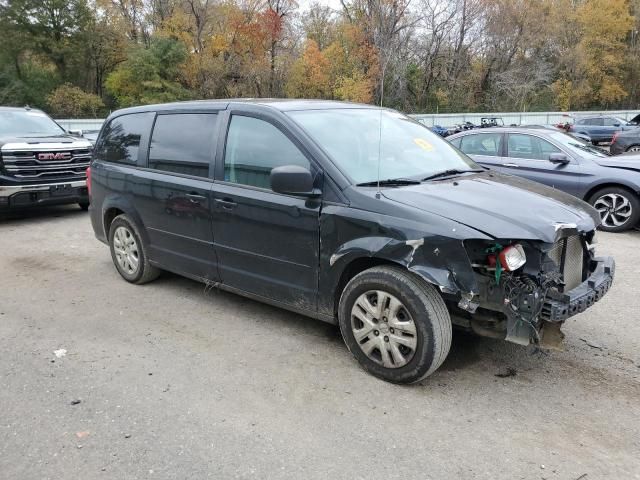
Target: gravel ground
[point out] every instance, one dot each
(178, 382)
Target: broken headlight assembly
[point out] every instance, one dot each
(514, 278)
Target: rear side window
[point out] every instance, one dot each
(254, 147)
(594, 122)
(488, 144)
(120, 142)
(183, 143)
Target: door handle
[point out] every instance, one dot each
(226, 203)
(195, 198)
(515, 165)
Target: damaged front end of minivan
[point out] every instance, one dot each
(527, 289)
(518, 290)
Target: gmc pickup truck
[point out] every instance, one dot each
(40, 163)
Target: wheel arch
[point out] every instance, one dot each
(112, 209)
(611, 184)
(354, 267)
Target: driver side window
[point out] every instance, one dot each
(530, 147)
(254, 147)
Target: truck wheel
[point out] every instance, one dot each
(619, 209)
(129, 252)
(396, 325)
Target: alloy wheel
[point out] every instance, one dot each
(384, 329)
(614, 209)
(126, 250)
(635, 148)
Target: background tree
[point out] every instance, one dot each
(415, 55)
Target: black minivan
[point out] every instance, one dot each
(352, 214)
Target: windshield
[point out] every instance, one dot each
(581, 147)
(356, 138)
(27, 124)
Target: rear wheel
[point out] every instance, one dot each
(619, 209)
(129, 252)
(396, 325)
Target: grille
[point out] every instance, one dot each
(568, 254)
(26, 165)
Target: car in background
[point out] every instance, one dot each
(627, 141)
(442, 131)
(486, 122)
(635, 121)
(610, 184)
(599, 128)
(40, 162)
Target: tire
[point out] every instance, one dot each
(634, 148)
(123, 231)
(595, 143)
(84, 205)
(615, 204)
(421, 306)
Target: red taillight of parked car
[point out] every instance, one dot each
(615, 136)
(89, 180)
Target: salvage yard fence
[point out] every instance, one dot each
(431, 119)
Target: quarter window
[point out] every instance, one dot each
(530, 147)
(487, 144)
(254, 148)
(121, 138)
(183, 143)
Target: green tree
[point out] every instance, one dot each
(69, 101)
(150, 75)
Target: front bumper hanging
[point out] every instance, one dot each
(560, 306)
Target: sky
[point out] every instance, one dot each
(335, 4)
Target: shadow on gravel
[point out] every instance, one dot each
(464, 351)
(40, 214)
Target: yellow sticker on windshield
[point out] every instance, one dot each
(423, 144)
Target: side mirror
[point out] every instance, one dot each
(75, 133)
(559, 158)
(293, 180)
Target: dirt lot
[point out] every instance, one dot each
(178, 382)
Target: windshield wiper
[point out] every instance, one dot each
(449, 172)
(389, 181)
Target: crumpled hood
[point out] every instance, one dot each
(501, 206)
(630, 161)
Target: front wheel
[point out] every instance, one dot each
(619, 209)
(634, 148)
(84, 205)
(396, 325)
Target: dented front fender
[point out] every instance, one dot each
(434, 250)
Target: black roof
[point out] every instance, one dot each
(275, 103)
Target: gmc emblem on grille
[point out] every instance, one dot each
(54, 156)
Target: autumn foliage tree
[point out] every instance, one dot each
(415, 55)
